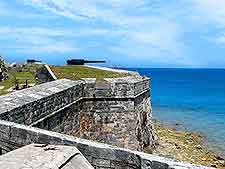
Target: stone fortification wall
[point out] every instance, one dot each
(29, 105)
(13, 136)
(115, 111)
(126, 87)
(65, 120)
(118, 111)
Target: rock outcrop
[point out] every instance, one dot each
(3, 70)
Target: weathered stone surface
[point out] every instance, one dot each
(116, 87)
(29, 105)
(98, 154)
(116, 111)
(39, 156)
(3, 70)
(120, 113)
(44, 74)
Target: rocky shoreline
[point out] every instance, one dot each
(184, 146)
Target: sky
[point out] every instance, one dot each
(128, 33)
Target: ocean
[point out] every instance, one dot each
(194, 98)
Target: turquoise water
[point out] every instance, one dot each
(193, 97)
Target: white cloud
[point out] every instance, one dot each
(210, 11)
(133, 28)
(209, 15)
(34, 40)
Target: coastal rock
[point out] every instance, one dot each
(199, 147)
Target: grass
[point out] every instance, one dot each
(78, 72)
(61, 72)
(28, 74)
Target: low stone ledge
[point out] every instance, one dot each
(37, 156)
(29, 105)
(99, 155)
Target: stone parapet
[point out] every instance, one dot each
(115, 111)
(29, 105)
(125, 87)
(13, 136)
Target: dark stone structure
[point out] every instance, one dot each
(101, 156)
(44, 74)
(3, 70)
(116, 112)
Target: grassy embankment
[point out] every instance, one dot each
(185, 146)
(28, 74)
(66, 72)
(78, 72)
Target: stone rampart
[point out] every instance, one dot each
(126, 87)
(115, 111)
(101, 156)
(118, 111)
(29, 105)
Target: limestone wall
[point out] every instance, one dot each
(110, 121)
(119, 114)
(115, 111)
(126, 87)
(111, 112)
(65, 120)
(29, 105)
(101, 156)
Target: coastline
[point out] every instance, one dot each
(184, 146)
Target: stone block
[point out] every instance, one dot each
(38, 156)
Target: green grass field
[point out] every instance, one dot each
(61, 72)
(27, 74)
(78, 72)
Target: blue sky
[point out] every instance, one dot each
(131, 33)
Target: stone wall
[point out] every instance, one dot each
(109, 121)
(65, 120)
(29, 105)
(115, 111)
(120, 113)
(44, 74)
(126, 87)
(111, 112)
(122, 122)
(101, 156)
